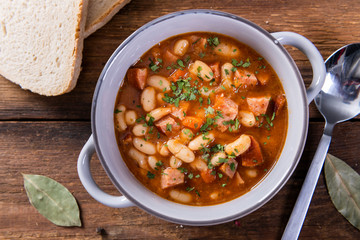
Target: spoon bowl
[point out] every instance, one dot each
(338, 101)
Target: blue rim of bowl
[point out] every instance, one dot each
(259, 204)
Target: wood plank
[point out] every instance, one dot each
(328, 24)
(51, 149)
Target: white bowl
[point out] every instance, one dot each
(267, 45)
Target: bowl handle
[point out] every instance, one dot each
(315, 58)
(83, 167)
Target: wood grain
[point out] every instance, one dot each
(44, 135)
(51, 149)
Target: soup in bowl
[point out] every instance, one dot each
(235, 163)
(200, 118)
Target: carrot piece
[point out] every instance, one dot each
(253, 156)
(192, 122)
(177, 74)
(207, 177)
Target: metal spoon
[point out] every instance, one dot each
(338, 101)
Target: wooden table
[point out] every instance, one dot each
(44, 135)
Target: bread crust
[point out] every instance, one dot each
(36, 61)
(79, 46)
(91, 27)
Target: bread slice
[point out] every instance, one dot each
(100, 12)
(41, 43)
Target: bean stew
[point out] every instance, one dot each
(200, 118)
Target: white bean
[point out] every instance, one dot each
(160, 83)
(140, 130)
(227, 75)
(148, 99)
(239, 146)
(130, 117)
(175, 162)
(202, 70)
(216, 158)
(247, 118)
(201, 141)
(158, 113)
(180, 151)
(120, 118)
(251, 173)
(186, 135)
(152, 160)
(139, 157)
(162, 149)
(144, 146)
(227, 50)
(180, 196)
(180, 47)
(199, 165)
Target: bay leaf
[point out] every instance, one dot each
(52, 200)
(343, 185)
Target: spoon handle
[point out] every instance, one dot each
(302, 204)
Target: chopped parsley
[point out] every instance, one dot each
(209, 111)
(150, 175)
(181, 91)
(197, 193)
(213, 41)
(223, 160)
(196, 40)
(232, 166)
(151, 120)
(243, 64)
(217, 148)
(182, 170)
(154, 67)
(207, 126)
(180, 63)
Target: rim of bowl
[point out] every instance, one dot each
(259, 204)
